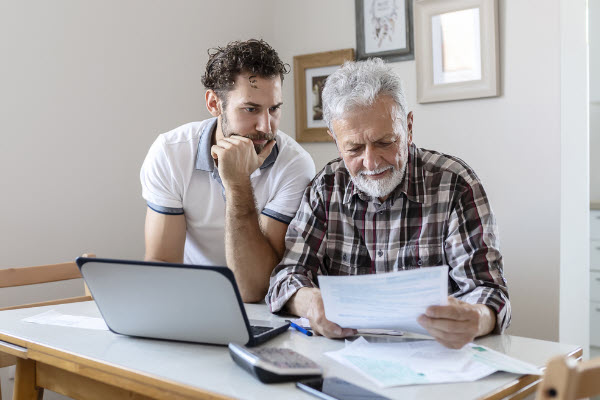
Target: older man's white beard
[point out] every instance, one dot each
(383, 187)
(379, 187)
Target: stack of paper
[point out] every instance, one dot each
(426, 361)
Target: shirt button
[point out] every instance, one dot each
(380, 253)
(420, 262)
(344, 257)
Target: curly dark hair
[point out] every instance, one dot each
(254, 56)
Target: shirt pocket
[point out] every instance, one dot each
(414, 256)
(348, 259)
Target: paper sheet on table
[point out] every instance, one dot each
(424, 362)
(305, 323)
(392, 300)
(75, 321)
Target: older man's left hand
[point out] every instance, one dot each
(457, 323)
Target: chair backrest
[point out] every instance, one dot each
(567, 379)
(24, 276)
(12, 277)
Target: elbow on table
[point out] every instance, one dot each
(253, 296)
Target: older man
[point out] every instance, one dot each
(388, 205)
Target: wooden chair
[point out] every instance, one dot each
(567, 379)
(13, 277)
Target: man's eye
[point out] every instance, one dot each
(250, 109)
(275, 108)
(384, 144)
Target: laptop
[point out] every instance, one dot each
(190, 303)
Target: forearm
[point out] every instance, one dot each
(477, 264)
(248, 252)
(487, 321)
(495, 299)
(300, 303)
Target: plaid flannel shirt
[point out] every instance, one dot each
(438, 215)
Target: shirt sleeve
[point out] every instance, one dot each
(473, 254)
(159, 187)
(305, 249)
(294, 179)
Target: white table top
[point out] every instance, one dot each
(211, 368)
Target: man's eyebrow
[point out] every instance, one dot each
(251, 104)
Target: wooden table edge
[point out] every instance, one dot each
(129, 379)
(517, 389)
(524, 385)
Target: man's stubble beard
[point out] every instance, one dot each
(252, 136)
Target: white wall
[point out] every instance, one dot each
(594, 70)
(85, 89)
(87, 86)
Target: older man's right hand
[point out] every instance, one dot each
(309, 303)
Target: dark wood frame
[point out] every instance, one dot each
(301, 64)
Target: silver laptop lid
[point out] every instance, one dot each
(167, 301)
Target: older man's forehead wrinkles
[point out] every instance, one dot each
(375, 137)
(356, 140)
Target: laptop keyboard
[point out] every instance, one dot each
(258, 330)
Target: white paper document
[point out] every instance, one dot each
(75, 321)
(426, 361)
(392, 300)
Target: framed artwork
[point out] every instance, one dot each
(310, 73)
(384, 28)
(456, 49)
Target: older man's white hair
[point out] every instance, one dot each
(360, 83)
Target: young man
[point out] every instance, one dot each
(223, 191)
(387, 206)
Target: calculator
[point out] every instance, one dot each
(274, 364)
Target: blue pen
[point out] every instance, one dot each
(299, 328)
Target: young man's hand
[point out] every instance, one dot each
(237, 158)
(457, 323)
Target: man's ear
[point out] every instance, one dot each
(409, 125)
(334, 140)
(213, 104)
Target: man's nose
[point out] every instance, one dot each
(370, 160)
(264, 122)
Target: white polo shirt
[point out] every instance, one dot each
(179, 177)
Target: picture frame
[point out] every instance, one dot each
(457, 49)
(384, 29)
(310, 73)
